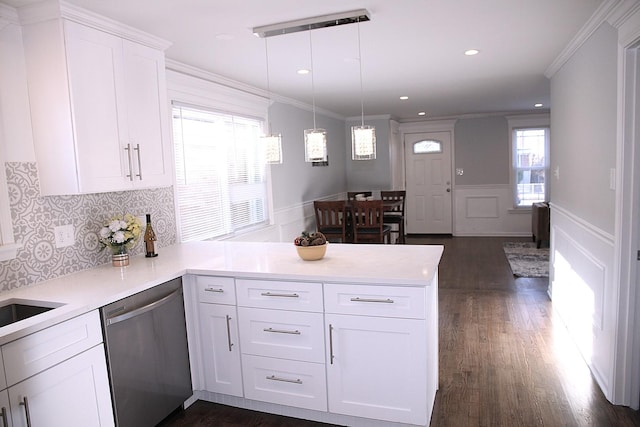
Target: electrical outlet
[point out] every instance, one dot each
(64, 235)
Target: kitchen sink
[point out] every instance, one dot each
(15, 310)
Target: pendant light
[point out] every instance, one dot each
(272, 144)
(363, 138)
(315, 140)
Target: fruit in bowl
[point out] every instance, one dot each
(311, 246)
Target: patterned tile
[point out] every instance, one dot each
(34, 218)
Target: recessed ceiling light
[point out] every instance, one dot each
(538, 105)
(404, 97)
(422, 113)
(471, 52)
(304, 71)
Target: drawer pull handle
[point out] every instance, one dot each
(229, 332)
(25, 403)
(282, 331)
(386, 301)
(274, 294)
(286, 380)
(5, 423)
(220, 290)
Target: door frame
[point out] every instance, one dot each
(435, 126)
(626, 370)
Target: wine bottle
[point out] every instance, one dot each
(150, 239)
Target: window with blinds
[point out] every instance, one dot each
(531, 164)
(221, 185)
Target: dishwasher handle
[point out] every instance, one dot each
(143, 309)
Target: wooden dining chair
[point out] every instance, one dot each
(396, 215)
(368, 226)
(331, 219)
(351, 195)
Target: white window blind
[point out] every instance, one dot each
(221, 183)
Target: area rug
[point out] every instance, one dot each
(526, 260)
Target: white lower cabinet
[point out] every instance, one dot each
(72, 393)
(220, 349)
(376, 368)
(285, 382)
(347, 352)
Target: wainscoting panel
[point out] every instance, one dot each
(482, 207)
(486, 210)
(582, 290)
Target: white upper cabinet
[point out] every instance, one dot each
(99, 105)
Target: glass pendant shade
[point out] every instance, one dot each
(315, 145)
(272, 145)
(363, 142)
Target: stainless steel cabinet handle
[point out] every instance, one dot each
(5, 423)
(386, 300)
(139, 174)
(25, 403)
(275, 294)
(282, 331)
(331, 344)
(229, 332)
(144, 309)
(130, 175)
(286, 380)
(220, 291)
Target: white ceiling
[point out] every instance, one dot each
(410, 47)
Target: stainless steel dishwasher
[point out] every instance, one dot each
(147, 355)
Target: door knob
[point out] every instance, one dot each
(448, 190)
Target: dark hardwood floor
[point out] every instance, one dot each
(505, 358)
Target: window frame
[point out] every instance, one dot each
(522, 122)
(202, 92)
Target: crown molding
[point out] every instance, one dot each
(8, 15)
(234, 84)
(615, 12)
(57, 9)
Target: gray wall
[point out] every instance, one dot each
(296, 181)
(369, 174)
(583, 130)
(482, 151)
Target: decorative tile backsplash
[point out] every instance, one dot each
(34, 218)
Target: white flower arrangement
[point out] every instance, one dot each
(120, 233)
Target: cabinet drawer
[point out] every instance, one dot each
(36, 352)
(385, 301)
(284, 334)
(285, 382)
(301, 296)
(216, 290)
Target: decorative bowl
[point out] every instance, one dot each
(312, 253)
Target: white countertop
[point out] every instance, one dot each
(408, 265)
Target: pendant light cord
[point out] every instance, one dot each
(266, 55)
(313, 92)
(360, 62)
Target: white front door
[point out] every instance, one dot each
(428, 169)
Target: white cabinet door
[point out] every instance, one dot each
(377, 368)
(96, 82)
(220, 349)
(99, 111)
(5, 412)
(72, 393)
(148, 115)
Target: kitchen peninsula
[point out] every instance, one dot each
(349, 339)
